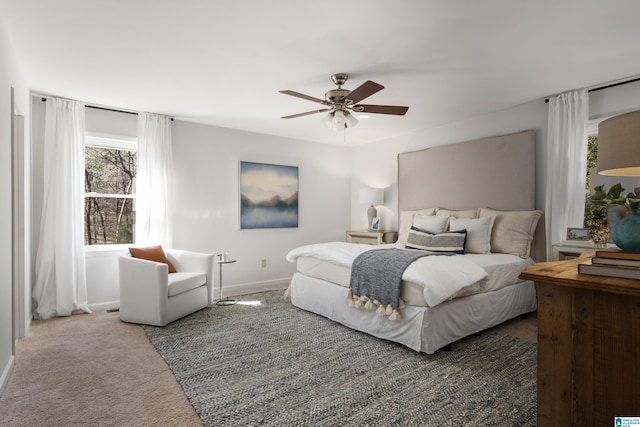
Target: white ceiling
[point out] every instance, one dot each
(222, 62)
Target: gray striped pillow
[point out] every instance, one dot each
(448, 242)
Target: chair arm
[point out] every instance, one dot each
(144, 286)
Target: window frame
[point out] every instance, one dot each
(113, 142)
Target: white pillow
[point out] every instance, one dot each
(478, 233)
(471, 213)
(406, 221)
(430, 224)
(513, 231)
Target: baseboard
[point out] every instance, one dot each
(251, 287)
(6, 372)
(228, 290)
(109, 305)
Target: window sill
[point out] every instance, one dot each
(105, 250)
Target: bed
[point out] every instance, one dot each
(476, 195)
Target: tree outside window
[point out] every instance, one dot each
(595, 214)
(110, 170)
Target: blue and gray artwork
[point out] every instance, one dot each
(268, 196)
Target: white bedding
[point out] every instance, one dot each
(424, 329)
(441, 277)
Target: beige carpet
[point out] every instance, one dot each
(91, 369)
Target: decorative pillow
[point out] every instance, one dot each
(471, 213)
(152, 253)
(447, 242)
(513, 231)
(430, 223)
(478, 233)
(406, 221)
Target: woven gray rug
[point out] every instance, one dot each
(277, 365)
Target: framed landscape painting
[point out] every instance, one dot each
(268, 196)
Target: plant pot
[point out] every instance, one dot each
(626, 232)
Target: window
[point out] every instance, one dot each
(595, 214)
(110, 171)
(599, 218)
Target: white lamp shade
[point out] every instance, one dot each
(619, 145)
(339, 119)
(351, 121)
(372, 196)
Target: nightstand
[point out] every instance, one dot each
(371, 237)
(569, 250)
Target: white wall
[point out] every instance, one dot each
(206, 211)
(9, 77)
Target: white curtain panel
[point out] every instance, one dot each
(566, 164)
(60, 278)
(153, 181)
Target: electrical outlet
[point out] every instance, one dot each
(263, 263)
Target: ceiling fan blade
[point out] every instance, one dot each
(303, 96)
(363, 91)
(381, 109)
(306, 114)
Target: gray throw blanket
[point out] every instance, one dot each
(377, 274)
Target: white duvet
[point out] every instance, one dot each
(441, 277)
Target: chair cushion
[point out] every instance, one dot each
(183, 282)
(152, 253)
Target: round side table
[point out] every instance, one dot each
(221, 300)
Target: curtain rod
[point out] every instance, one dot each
(614, 84)
(44, 99)
(595, 89)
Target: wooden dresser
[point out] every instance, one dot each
(588, 345)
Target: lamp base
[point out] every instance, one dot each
(372, 212)
(626, 232)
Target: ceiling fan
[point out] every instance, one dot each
(341, 102)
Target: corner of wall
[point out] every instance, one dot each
(6, 373)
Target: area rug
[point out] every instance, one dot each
(276, 365)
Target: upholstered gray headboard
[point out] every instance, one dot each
(496, 172)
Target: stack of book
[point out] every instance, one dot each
(612, 263)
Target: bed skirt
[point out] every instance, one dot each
(424, 329)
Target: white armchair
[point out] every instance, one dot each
(151, 296)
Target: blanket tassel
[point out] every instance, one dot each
(388, 310)
(395, 315)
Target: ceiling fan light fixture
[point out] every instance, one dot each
(339, 118)
(328, 121)
(341, 102)
(350, 120)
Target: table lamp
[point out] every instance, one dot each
(619, 155)
(371, 196)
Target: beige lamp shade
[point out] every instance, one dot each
(619, 145)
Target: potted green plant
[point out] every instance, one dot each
(626, 232)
